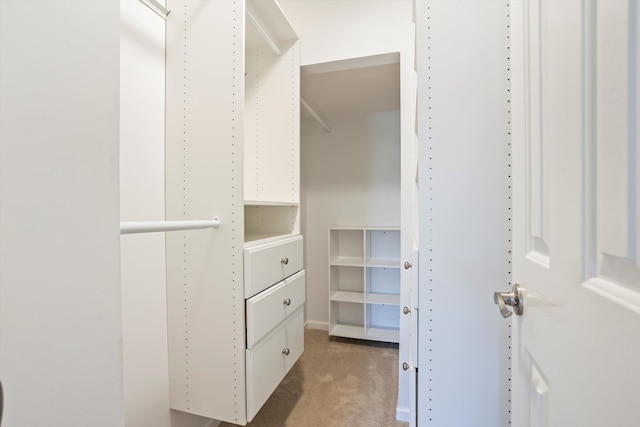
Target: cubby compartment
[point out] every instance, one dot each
(382, 285)
(346, 247)
(346, 283)
(383, 248)
(269, 221)
(347, 319)
(382, 322)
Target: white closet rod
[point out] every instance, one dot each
(263, 33)
(314, 114)
(159, 9)
(156, 226)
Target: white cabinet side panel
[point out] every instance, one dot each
(205, 59)
(60, 306)
(465, 222)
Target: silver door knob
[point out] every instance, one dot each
(287, 301)
(514, 299)
(407, 265)
(284, 261)
(285, 351)
(405, 366)
(406, 310)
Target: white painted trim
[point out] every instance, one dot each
(311, 324)
(403, 413)
(351, 63)
(263, 33)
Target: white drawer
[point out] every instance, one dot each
(267, 363)
(272, 306)
(269, 263)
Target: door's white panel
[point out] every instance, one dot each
(538, 399)
(572, 346)
(538, 213)
(617, 149)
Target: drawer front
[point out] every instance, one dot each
(272, 306)
(267, 363)
(267, 264)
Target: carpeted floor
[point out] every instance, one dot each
(337, 382)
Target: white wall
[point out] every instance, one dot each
(142, 197)
(60, 307)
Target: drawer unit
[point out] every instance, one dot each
(267, 309)
(267, 264)
(271, 358)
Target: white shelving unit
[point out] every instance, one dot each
(364, 283)
(232, 150)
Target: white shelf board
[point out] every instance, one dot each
(344, 87)
(270, 203)
(346, 296)
(271, 17)
(349, 331)
(383, 334)
(348, 261)
(387, 263)
(389, 299)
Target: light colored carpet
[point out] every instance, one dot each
(337, 382)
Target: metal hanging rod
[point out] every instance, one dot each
(314, 114)
(263, 33)
(161, 226)
(159, 9)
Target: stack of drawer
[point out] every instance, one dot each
(275, 290)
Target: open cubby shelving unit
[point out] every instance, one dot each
(364, 283)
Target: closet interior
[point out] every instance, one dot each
(240, 295)
(351, 176)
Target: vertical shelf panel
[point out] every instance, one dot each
(204, 97)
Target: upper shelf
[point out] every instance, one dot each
(269, 16)
(353, 86)
(270, 203)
